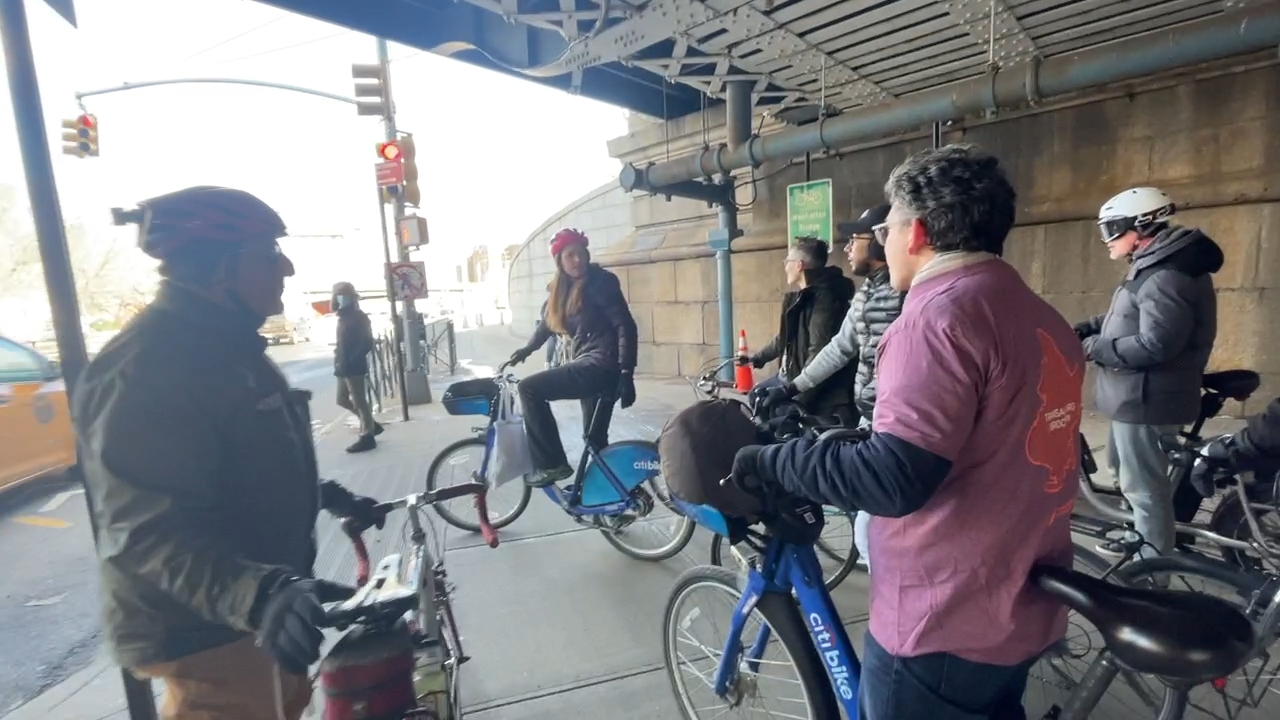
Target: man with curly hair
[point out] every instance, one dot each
(970, 468)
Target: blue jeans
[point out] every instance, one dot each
(938, 686)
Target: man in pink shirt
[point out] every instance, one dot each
(970, 471)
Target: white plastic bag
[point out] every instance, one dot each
(510, 458)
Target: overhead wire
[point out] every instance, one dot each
(237, 36)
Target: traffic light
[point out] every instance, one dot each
(390, 151)
(80, 136)
(378, 89)
(408, 152)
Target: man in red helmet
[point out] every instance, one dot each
(200, 466)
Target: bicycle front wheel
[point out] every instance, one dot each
(461, 463)
(789, 665)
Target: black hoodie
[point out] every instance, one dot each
(1153, 344)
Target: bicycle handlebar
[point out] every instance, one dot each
(354, 530)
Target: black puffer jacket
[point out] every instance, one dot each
(355, 340)
(1153, 344)
(810, 319)
(603, 331)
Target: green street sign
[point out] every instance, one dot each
(809, 211)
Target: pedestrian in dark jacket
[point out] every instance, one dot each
(201, 469)
(811, 317)
(588, 313)
(1152, 346)
(351, 363)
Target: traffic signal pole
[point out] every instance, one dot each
(59, 279)
(415, 386)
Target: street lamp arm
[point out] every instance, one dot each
(220, 81)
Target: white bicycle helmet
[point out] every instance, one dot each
(1134, 209)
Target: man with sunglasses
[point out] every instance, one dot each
(1152, 346)
(201, 470)
(971, 466)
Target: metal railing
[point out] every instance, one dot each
(383, 380)
(439, 345)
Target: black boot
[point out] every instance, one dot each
(364, 444)
(377, 429)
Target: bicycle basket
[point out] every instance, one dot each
(696, 450)
(470, 397)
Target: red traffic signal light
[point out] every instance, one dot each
(390, 151)
(87, 121)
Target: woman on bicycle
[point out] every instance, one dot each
(587, 311)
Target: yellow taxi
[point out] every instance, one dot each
(36, 435)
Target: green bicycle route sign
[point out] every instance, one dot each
(809, 211)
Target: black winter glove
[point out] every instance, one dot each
(746, 471)
(343, 503)
(519, 356)
(753, 360)
(779, 394)
(292, 616)
(1215, 464)
(627, 390)
(1084, 329)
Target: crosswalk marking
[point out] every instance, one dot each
(56, 501)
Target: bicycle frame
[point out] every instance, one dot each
(1093, 495)
(787, 567)
(571, 500)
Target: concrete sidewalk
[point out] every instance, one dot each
(553, 619)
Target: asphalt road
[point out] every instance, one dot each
(49, 616)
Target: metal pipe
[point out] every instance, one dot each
(1217, 38)
(59, 279)
(738, 132)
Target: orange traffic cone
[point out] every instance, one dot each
(742, 379)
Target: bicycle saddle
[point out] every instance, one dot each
(1182, 636)
(384, 597)
(1235, 384)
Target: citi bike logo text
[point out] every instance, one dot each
(831, 655)
(647, 465)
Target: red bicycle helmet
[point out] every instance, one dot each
(566, 237)
(202, 214)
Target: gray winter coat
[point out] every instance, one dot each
(875, 306)
(1153, 344)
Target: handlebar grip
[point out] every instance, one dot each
(353, 531)
(482, 513)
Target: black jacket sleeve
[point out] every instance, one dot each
(1259, 442)
(618, 313)
(884, 475)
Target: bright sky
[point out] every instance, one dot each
(497, 155)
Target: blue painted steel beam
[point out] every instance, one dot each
(487, 40)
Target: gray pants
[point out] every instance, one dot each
(353, 396)
(1141, 469)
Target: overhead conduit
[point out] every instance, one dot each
(1235, 33)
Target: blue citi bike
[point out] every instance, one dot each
(1182, 639)
(617, 489)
